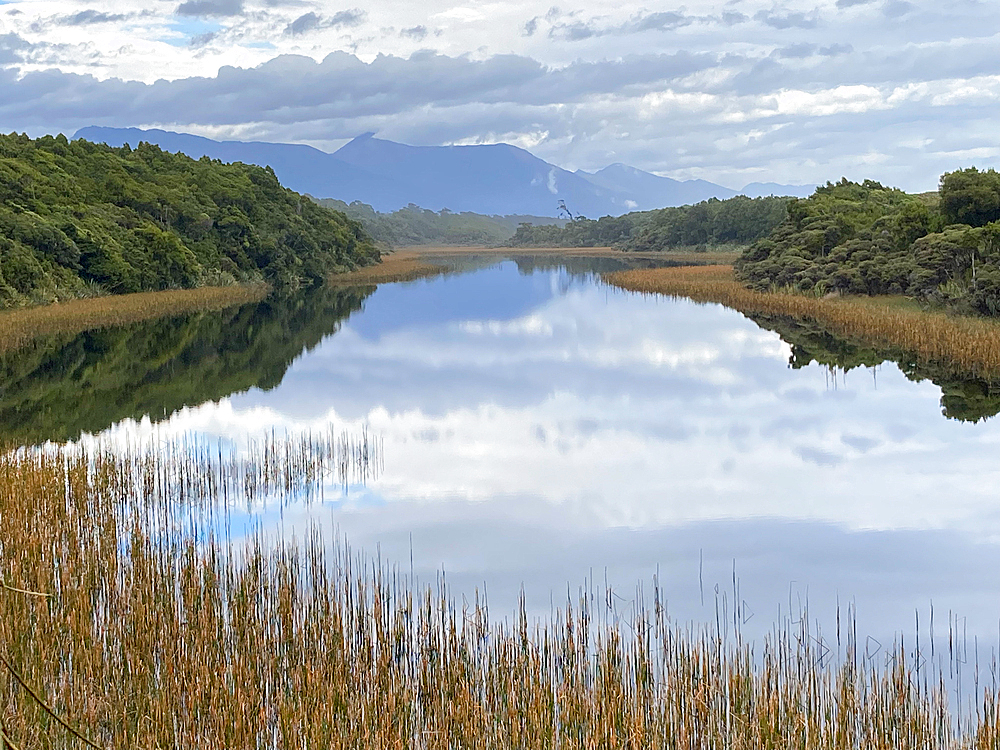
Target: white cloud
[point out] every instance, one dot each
(681, 81)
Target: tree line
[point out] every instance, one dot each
(865, 238)
(712, 223)
(81, 219)
(413, 225)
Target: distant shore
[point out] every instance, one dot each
(967, 343)
(418, 261)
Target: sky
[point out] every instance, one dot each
(801, 91)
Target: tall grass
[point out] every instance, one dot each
(18, 327)
(965, 343)
(134, 619)
(401, 265)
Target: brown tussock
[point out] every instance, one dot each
(400, 266)
(19, 327)
(969, 344)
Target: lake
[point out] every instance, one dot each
(542, 431)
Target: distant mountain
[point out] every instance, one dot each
(648, 191)
(497, 179)
(490, 179)
(301, 168)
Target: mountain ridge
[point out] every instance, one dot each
(490, 179)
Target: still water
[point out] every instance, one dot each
(542, 431)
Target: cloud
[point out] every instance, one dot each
(414, 32)
(313, 21)
(210, 8)
(303, 24)
(787, 20)
(897, 8)
(755, 92)
(12, 47)
(88, 17)
(852, 3)
(640, 23)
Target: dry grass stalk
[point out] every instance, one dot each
(399, 266)
(159, 634)
(971, 345)
(19, 327)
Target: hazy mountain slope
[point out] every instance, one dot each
(648, 191)
(302, 168)
(491, 179)
(494, 179)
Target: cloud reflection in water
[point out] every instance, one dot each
(534, 430)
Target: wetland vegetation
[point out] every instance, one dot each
(139, 609)
(132, 618)
(852, 238)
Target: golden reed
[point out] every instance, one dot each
(141, 615)
(18, 327)
(969, 344)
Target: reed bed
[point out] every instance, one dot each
(190, 471)
(399, 266)
(136, 638)
(969, 344)
(19, 327)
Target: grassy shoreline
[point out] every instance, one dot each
(177, 639)
(971, 345)
(21, 326)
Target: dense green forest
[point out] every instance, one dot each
(734, 221)
(80, 219)
(57, 388)
(865, 238)
(414, 225)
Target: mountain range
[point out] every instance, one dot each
(496, 179)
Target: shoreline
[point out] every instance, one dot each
(21, 326)
(965, 343)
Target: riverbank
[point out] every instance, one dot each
(970, 344)
(21, 326)
(423, 261)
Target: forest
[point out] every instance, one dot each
(414, 225)
(864, 238)
(734, 221)
(79, 219)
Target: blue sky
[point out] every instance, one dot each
(738, 91)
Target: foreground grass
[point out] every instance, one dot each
(969, 344)
(127, 613)
(19, 327)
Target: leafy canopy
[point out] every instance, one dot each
(865, 238)
(78, 218)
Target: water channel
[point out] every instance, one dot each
(544, 432)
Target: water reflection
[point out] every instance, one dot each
(59, 387)
(540, 428)
(965, 398)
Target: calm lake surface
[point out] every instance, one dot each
(543, 430)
